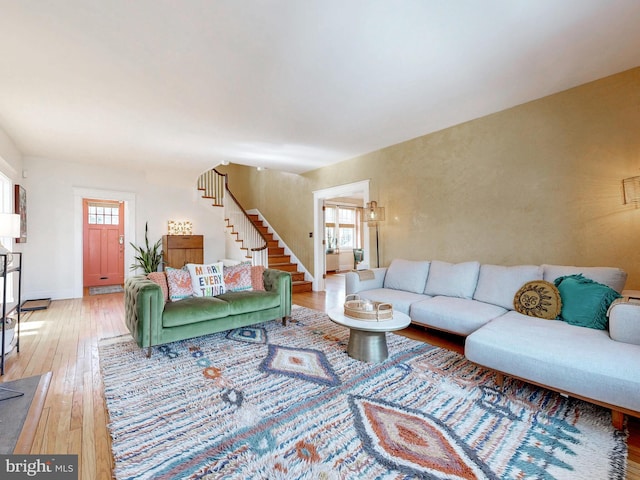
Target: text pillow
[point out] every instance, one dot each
(207, 280)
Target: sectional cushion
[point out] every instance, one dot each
(407, 275)
(623, 322)
(582, 361)
(451, 314)
(400, 299)
(613, 277)
(452, 280)
(498, 284)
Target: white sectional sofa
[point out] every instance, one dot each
(477, 301)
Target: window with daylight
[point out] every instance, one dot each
(103, 214)
(342, 227)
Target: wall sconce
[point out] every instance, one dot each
(373, 215)
(631, 188)
(179, 228)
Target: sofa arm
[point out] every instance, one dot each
(353, 283)
(143, 307)
(279, 281)
(624, 321)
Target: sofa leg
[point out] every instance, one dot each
(500, 381)
(284, 320)
(617, 419)
(148, 352)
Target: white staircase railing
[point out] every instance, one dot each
(215, 187)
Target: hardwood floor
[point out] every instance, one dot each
(63, 339)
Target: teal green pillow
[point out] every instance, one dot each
(585, 302)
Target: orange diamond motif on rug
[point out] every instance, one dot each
(414, 442)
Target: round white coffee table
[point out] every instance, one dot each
(368, 339)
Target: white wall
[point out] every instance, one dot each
(10, 157)
(53, 252)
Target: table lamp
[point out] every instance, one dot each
(9, 227)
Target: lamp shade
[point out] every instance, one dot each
(373, 213)
(9, 225)
(631, 188)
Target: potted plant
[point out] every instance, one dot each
(149, 257)
(330, 243)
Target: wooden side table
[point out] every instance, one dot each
(178, 250)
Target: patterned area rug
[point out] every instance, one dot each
(275, 402)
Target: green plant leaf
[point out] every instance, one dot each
(149, 257)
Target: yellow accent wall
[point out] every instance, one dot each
(537, 183)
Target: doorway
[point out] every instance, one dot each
(79, 194)
(357, 189)
(103, 242)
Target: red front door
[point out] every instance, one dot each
(103, 242)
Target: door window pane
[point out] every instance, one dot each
(103, 214)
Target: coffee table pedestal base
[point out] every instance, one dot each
(367, 346)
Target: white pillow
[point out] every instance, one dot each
(407, 275)
(452, 280)
(207, 280)
(498, 284)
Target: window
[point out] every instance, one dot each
(342, 228)
(103, 214)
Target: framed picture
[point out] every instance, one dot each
(20, 203)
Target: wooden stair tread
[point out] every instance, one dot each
(299, 287)
(278, 260)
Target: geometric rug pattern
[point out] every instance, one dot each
(303, 363)
(251, 334)
(298, 407)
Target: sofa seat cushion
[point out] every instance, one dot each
(193, 310)
(457, 315)
(250, 301)
(577, 360)
(400, 299)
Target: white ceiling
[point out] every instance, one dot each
(287, 84)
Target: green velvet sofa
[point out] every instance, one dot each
(152, 322)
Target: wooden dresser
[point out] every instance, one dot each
(182, 249)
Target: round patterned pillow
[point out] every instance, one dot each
(538, 299)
